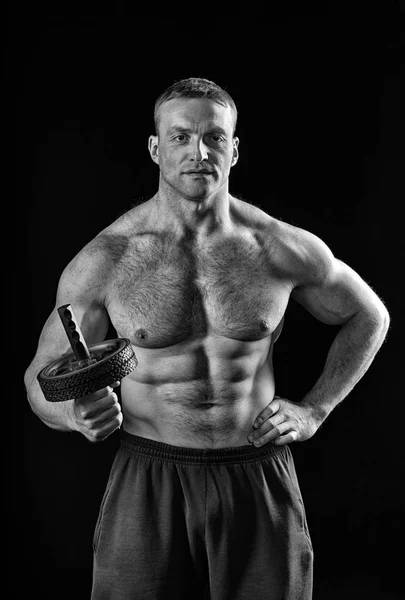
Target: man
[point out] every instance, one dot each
(203, 499)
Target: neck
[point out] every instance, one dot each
(198, 214)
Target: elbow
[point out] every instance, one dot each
(29, 378)
(29, 383)
(380, 318)
(374, 318)
(385, 320)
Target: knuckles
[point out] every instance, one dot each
(97, 434)
(95, 424)
(271, 424)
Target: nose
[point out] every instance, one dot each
(200, 151)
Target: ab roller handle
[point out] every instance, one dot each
(87, 368)
(73, 332)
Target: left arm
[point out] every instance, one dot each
(334, 294)
(345, 299)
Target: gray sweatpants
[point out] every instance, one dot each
(185, 523)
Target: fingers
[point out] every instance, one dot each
(286, 422)
(287, 438)
(270, 430)
(274, 424)
(98, 414)
(98, 431)
(99, 394)
(267, 412)
(96, 402)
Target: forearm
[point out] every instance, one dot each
(349, 357)
(57, 415)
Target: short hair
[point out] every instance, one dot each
(194, 87)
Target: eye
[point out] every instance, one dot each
(217, 138)
(181, 137)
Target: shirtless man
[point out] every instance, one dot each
(203, 499)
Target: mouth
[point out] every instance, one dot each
(197, 173)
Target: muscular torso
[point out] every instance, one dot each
(202, 314)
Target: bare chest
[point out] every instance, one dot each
(164, 293)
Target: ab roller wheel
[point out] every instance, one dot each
(87, 368)
(66, 378)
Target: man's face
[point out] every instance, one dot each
(195, 148)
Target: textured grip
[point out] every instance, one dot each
(73, 332)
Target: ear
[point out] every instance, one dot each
(235, 152)
(153, 145)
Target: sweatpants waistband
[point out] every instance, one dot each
(179, 454)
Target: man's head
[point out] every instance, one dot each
(194, 87)
(194, 146)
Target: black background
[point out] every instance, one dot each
(318, 93)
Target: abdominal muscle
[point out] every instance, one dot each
(200, 394)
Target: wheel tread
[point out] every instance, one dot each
(88, 380)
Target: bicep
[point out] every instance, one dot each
(338, 295)
(78, 290)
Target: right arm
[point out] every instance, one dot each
(95, 415)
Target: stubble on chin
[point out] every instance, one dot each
(189, 190)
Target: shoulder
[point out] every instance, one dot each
(298, 253)
(95, 262)
(309, 258)
(248, 214)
